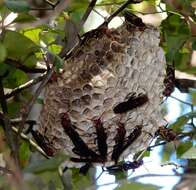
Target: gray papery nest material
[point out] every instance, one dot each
(104, 71)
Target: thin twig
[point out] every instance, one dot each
(25, 86)
(120, 9)
(53, 5)
(2, 97)
(26, 110)
(109, 4)
(9, 136)
(87, 12)
(6, 123)
(105, 23)
(153, 175)
(4, 170)
(22, 67)
(73, 31)
(32, 143)
(155, 145)
(99, 13)
(187, 103)
(172, 164)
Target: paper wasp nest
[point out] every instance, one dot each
(104, 71)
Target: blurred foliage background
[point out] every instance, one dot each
(38, 34)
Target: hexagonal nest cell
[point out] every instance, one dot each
(107, 102)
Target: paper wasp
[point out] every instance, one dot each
(40, 139)
(125, 166)
(169, 81)
(133, 102)
(121, 146)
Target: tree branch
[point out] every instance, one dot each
(26, 110)
(105, 23)
(4, 170)
(9, 137)
(6, 123)
(2, 97)
(153, 175)
(24, 86)
(88, 11)
(32, 143)
(22, 67)
(121, 8)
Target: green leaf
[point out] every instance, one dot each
(141, 154)
(24, 153)
(18, 46)
(15, 78)
(41, 181)
(17, 6)
(58, 62)
(190, 154)
(194, 45)
(193, 94)
(183, 147)
(48, 37)
(40, 101)
(3, 68)
(138, 186)
(33, 34)
(3, 52)
(30, 61)
(54, 48)
(191, 114)
(119, 175)
(176, 32)
(24, 18)
(167, 151)
(46, 165)
(13, 108)
(181, 121)
(80, 181)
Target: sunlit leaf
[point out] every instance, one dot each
(55, 48)
(22, 45)
(183, 147)
(33, 34)
(190, 153)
